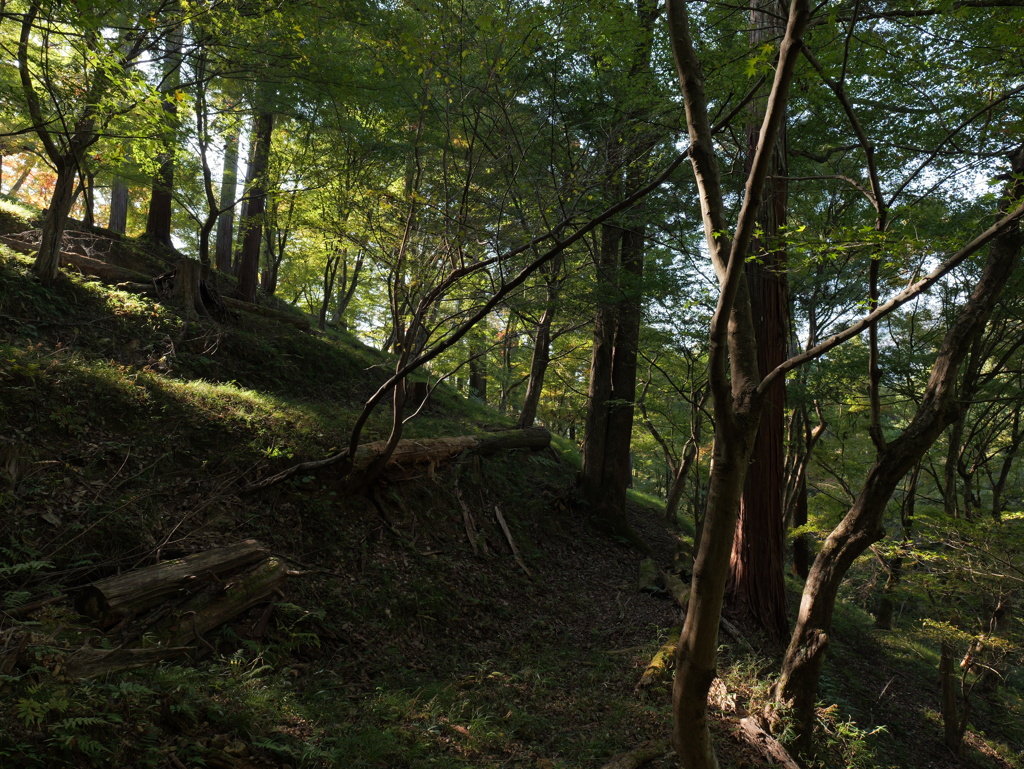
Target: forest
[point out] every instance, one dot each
(535, 383)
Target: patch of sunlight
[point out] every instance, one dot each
(222, 398)
(17, 209)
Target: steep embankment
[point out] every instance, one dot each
(408, 633)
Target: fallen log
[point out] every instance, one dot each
(639, 755)
(766, 745)
(182, 631)
(212, 608)
(658, 665)
(108, 600)
(679, 590)
(108, 273)
(428, 452)
(88, 662)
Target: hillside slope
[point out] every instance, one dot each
(409, 632)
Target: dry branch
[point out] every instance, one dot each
(511, 542)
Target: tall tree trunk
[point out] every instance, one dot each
(118, 221)
(953, 723)
(228, 190)
(756, 579)
(697, 653)
(158, 222)
(347, 286)
(330, 273)
(252, 223)
(539, 361)
(478, 370)
(617, 465)
(950, 495)
(802, 440)
(592, 480)
(88, 198)
(862, 525)
(1016, 436)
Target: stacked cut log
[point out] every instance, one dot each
(176, 603)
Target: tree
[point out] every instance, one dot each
(756, 566)
(739, 389)
(606, 474)
(80, 102)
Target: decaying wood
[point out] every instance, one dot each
(648, 576)
(640, 755)
(427, 452)
(658, 665)
(680, 591)
(181, 631)
(212, 608)
(766, 745)
(511, 542)
(110, 599)
(92, 663)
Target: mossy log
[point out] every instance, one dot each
(658, 666)
(679, 590)
(426, 453)
(648, 576)
(639, 755)
(108, 600)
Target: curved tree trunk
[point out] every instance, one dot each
(697, 652)
(862, 525)
(736, 387)
(538, 364)
(47, 264)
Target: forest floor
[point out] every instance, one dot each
(127, 435)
